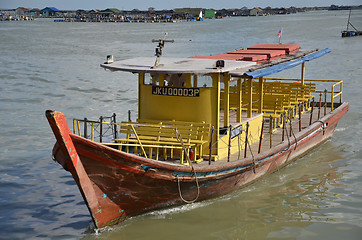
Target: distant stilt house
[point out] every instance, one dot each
(49, 12)
(111, 12)
(20, 11)
(256, 12)
(188, 12)
(35, 12)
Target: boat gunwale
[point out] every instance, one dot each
(216, 167)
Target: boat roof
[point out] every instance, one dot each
(176, 65)
(265, 60)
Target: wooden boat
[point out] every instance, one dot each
(206, 125)
(350, 33)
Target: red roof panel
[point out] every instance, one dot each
(236, 57)
(272, 54)
(288, 48)
(255, 58)
(223, 56)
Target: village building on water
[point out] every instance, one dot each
(149, 15)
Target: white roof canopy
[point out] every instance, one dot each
(176, 65)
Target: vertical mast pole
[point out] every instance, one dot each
(261, 95)
(349, 16)
(226, 99)
(250, 98)
(302, 74)
(240, 99)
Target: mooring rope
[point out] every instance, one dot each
(180, 193)
(292, 132)
(252, 155)
(178, 136)
(323, 125)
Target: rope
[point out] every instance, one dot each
(322, 125)
(180, 193)
(252, 155)
(178, 136)
(286, 133)
(292, 132)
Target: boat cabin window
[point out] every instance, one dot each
(178, 80)
(175, 80)
(204, 81)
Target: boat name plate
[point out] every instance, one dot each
(173, 91)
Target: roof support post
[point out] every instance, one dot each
(261, 96)
(161, 79)
(302, 74)
(216, 117)
(195, 81)
(239, 102)
(141, 80)
(188, 80)
(226, 99)
(250, 97)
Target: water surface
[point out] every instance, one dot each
(47, 65)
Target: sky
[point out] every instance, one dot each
(168, 4)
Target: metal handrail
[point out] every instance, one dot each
(85, 121)
(336, 95)
(333, 93)
(305, 80)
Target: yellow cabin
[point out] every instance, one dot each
(204, 108)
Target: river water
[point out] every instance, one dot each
(47, 65)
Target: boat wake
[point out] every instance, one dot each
(162, 213)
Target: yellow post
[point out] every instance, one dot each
(250, 97)
(188, 80)
(139, 141)
(215, 121)
(79, 132)
(92, 131)
(161, 78)
(227, 99)
(261, 96)
(141, 80)
(240, 99)
(195, 81)
(302, 74)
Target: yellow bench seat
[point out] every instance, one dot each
(165, 135)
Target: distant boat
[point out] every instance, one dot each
(350, 33)
(200, 129)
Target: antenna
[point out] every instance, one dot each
(349, 16)
(161, 44)
(349, 23)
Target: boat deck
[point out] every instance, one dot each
(273, 138)
(232, 118)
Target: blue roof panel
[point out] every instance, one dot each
(50, 9)
(284, 66)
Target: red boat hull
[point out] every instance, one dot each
(115, 184)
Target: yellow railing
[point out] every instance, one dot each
(99, 125)
(337, 93)
(333, 93)
(77, 128)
